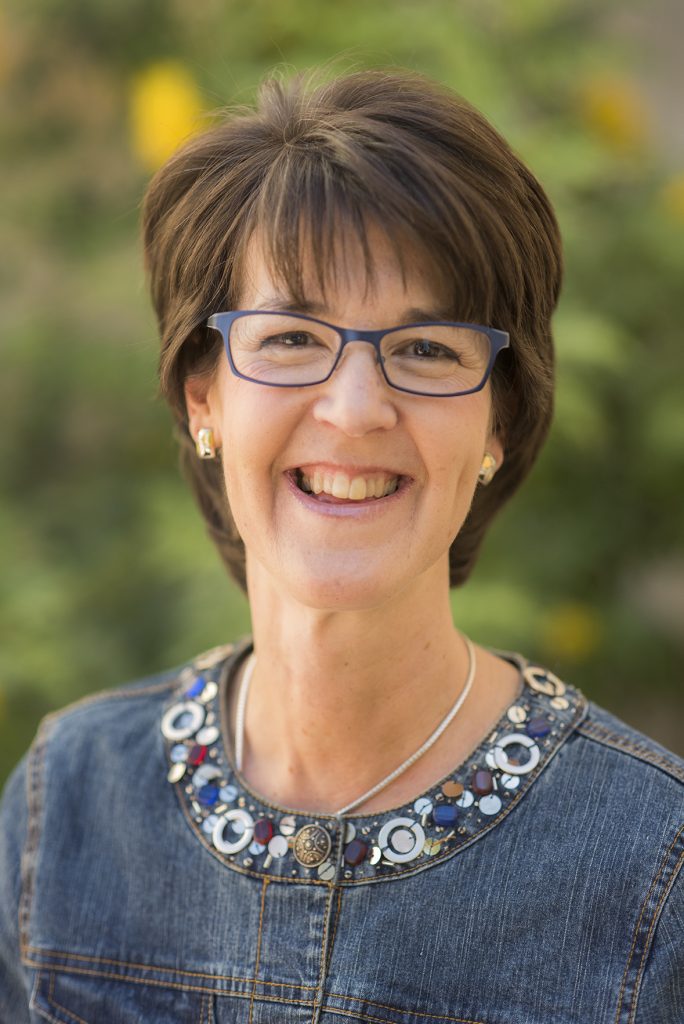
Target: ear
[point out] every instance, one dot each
(202, 405)
(495, 446)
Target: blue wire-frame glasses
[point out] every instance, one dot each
(287, 350)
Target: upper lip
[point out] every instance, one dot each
(350, 471)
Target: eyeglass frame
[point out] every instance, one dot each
(223, 321)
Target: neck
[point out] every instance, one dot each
(339, 699)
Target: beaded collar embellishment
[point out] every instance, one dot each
(257, 838)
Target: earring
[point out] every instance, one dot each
(206, 448)
(487, 469)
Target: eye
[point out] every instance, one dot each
(292, 339)
(423, 349)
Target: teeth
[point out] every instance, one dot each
(358, 489)
(339, 485)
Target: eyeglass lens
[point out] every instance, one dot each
(432, 359)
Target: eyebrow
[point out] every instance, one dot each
(416, 314)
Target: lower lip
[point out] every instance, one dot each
(367, 509)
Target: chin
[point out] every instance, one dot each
(342, 587)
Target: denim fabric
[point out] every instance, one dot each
(557, 898)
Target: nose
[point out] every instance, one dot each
(357, 399)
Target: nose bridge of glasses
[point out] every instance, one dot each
(352, 336)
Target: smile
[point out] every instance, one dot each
(344, 487)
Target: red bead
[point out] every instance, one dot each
(356, 851)
(482, 783)
(197, 754)
(263, 831)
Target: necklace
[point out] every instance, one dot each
(429, 742)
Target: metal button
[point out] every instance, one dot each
(311, 846)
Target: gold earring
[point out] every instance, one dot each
(206, 448)
(487, 469)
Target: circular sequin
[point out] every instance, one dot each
(177, 771)
(228, 794)
(349, 832)
(179, 752)
(542, 681)
(401, 840)
(288, 825)
(517, 714)
(506, 764)
(326, 870)
(209, 824)
(490, 804)
(431, 847)
(311, 845)
(278, 846)
(208, 735)
(466, 798)
(209, 692)
(560, 703)
(224, 845)
(256, 848)
(182, 720)
(510, 781)
(423, 805)
(375, 855)
(204, 774)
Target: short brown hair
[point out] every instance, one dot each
(386, 147)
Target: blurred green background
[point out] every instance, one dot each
(106, 571)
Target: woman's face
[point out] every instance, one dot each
(330, 552)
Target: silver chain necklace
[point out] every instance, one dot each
(429, 742)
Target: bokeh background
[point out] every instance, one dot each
(106, 571)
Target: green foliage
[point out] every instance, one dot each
(107, 572)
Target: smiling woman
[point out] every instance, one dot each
(354, 284)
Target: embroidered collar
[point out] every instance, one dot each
(258, 838)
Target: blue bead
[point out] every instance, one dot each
(538, 727)
(444, 814)
(196, 687)
(208, 795)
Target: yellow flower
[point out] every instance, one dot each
(165, 110)
(615, 111)
(572, 632)
(672, 197)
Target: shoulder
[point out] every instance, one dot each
(103, 731)
(612, 741)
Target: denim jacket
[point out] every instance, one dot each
(141, 880)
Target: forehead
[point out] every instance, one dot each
(372, 269)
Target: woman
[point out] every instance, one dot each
(358, 814)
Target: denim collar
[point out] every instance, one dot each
(255, 837)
